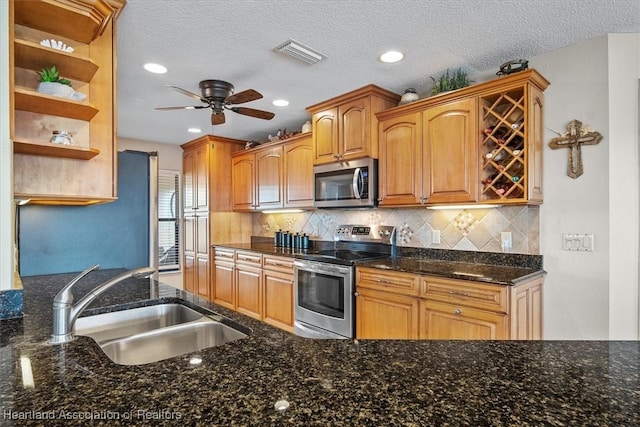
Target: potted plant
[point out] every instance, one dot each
(52, 84)
(450, 81)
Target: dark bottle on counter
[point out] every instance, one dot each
(296, 241)
(277, 238)
(286, 239)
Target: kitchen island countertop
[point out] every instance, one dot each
(325, 382)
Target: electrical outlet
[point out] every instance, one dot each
(505, 240)
(435, 237)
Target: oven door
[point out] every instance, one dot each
(324, 300)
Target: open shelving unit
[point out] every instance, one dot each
(86, 170)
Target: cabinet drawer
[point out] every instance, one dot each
(399, 283)
(466, 293)
(276, 263)
(249, 258)
(223, 254)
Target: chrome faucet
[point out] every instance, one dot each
(65, 312)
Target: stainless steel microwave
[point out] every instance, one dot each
(347, 184)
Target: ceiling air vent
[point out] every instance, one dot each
(300, 52)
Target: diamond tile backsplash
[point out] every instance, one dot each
(460, 229)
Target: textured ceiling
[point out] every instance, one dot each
(234, 40)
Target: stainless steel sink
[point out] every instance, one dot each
(148, 334)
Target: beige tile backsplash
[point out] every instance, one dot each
(460, 229)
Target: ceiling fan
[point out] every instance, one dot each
(218, 96)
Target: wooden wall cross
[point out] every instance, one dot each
(574, 138)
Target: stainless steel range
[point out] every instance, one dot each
(325, 280)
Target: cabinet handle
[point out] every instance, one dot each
(461, 294)
(356, 294)
(383, 281)
(457, 311)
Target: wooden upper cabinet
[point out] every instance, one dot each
(449, 153)
(400, 166)
(345, 127)
(206, 179)
(298, 172)
(269, 178)
(277, 175)
(479, 144)
(243, 182)
(355, 128)
(85, 172)
(325, 135)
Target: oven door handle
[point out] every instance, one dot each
(357, 183)
(315, 267)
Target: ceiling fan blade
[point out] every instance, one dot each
(186, 92)
(189, 107)
(259, 114)
(217, 118)
(242, 97)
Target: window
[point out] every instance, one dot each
(168, 220)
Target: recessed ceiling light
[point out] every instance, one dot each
(391, 56)
(280, 102)
(155, 68)
(194, 130)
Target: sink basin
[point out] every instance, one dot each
(149, 334)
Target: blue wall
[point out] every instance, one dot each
(62, 239)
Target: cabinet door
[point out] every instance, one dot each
(269, 178)
(354, 124)
(223, 289)
(188, 181)
(325, 136)
(249, 291)
(189, 259)
(298, 174)
(201, 161)
(526, 311)
(449, 154)
(189, 279)
(201, 270)
(383, 315)
(243, 181)
(441, 321)
(400, 170)
(278, 299)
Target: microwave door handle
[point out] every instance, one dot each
(357, 183)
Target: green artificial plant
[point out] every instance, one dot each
(50, 74)
(450, 81)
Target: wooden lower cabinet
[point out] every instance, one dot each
(223, 284)
(441, 321)
(388, 308)
(249, 291)
(256, 285)
(383, 315)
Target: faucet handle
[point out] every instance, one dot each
(64, 295)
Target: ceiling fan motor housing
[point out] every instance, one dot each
(216, 89)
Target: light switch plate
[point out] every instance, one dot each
(505, 240)
(577, 242)
(435, 237)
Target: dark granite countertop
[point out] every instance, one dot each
(501, 269)
(497, 274)
(326, 382)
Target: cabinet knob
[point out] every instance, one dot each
(457, 311)
(356, 294)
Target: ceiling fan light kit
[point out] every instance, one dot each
(218, 96)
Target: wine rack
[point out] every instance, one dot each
(503, 148)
